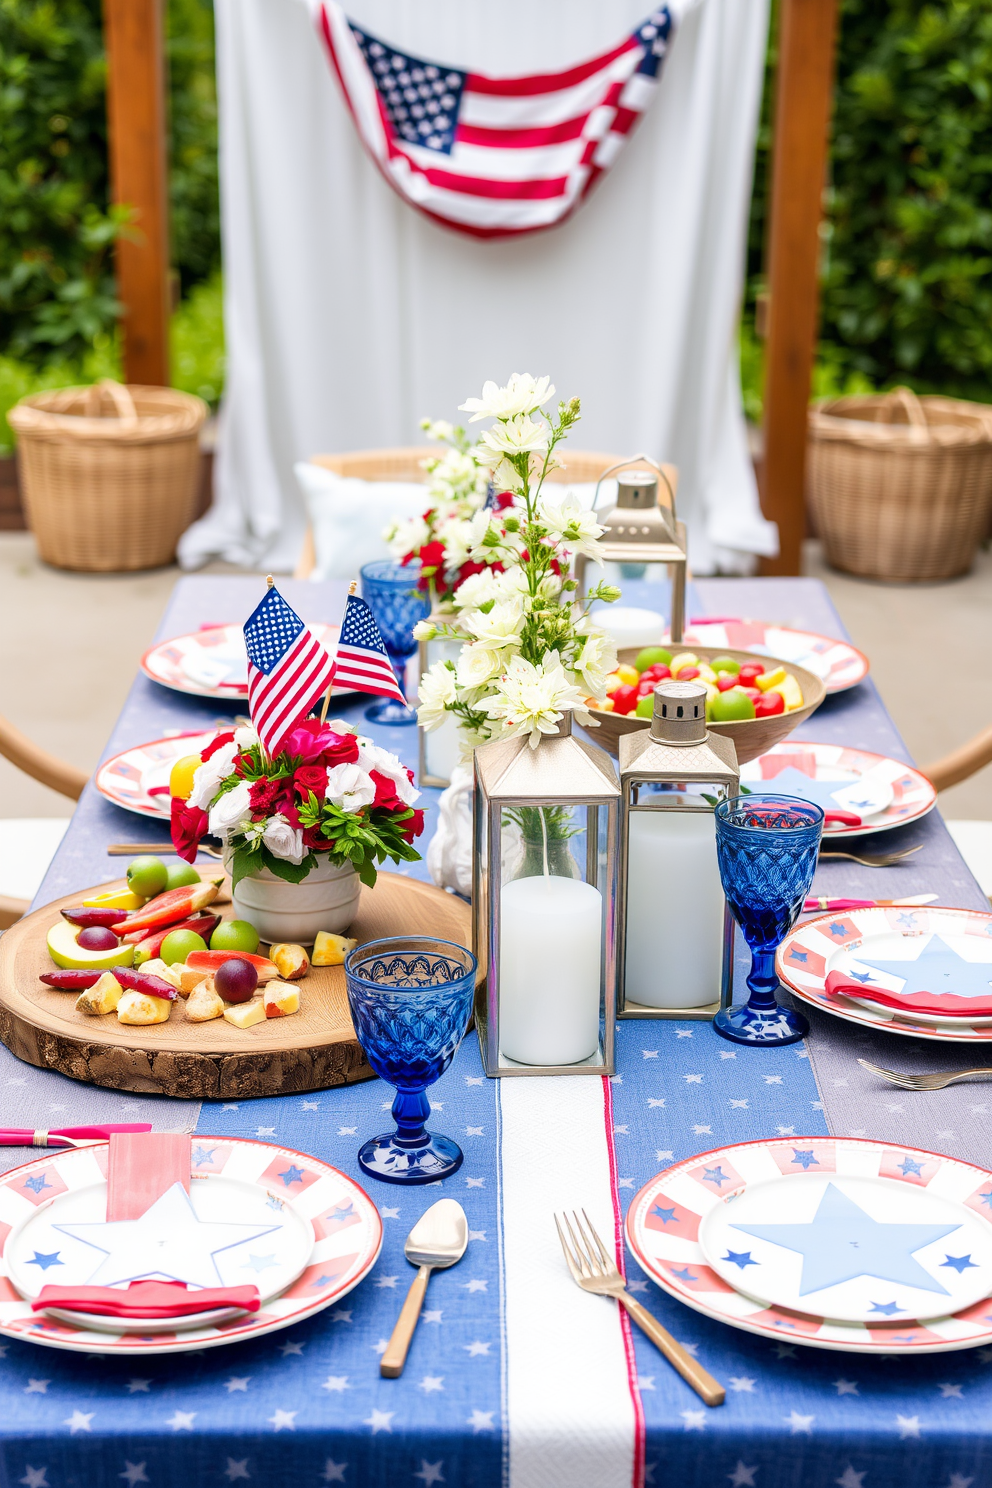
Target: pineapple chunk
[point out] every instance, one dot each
(189, 980)
(246, 1014)
(291, 961)
(138, 1007)
(771, 679)
(280, 999)
(204, 1002)
(157, 967)
(791, 691)
(330, 950)
(102, 997)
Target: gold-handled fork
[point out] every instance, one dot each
(130, 849)
(874, 860)
(926, 1082)
(595, 1271)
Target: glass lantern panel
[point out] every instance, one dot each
(551, 933)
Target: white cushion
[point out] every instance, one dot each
(27, 847)
(348, 516)
(973, 840)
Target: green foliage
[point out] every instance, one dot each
(193, 196)
(198, 341)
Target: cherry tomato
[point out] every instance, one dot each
(687, 673)
(725, 681)
(752, 693)
(749, 671)
(768, 704)
(660, 672)
(646, 685)
(625, 699)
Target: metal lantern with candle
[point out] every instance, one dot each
(544, 904)
(676, 937)
(639, 530)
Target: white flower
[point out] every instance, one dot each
(406, 537)
(498, 628)
(208, 776)
(522, 394)
(596, 660)
(576, 529)
(373, 757)
(437, 428)
(474, 591)
(231, 810)
(245, 736)
(477, 665)
(456, 534)
(531, 700)
(284, 841)
(424, 630)
(349, 787)
(515, 437)
(438, 688)
(511, 582)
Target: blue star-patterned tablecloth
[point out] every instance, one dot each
(307, 1406)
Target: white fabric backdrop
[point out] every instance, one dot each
(349, 317)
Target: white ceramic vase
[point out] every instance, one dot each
(449, 853)
(327, 899)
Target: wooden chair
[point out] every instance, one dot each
(55, 773)
(405, 464)
(973, 838)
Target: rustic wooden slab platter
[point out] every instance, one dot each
(311, 1050)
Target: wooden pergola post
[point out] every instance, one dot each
(804, 90)
(134, 33)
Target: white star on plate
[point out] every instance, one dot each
(134, 1472)
(389, 1213)
(137, 1386)
(333, 1471)
(379, 1420)
(655, 1103)
(846, 1387)
(951, 1392)
(265, 1131)
(695, 1420)
(799, 1425)
(480, 1421)
(79, 1421)
(34, 1477)
(908, 1426)
(37, 1387)
(430, 1473)
(477, 1234)
(742, 1476)
(283, 1420)
(474, 1350)
(432, 1383)
(167, 1240)
(849, 1478)
(237, 1382)
(474, 1182)
(473, 1131)
(236, 1469)
(336, 1383)
(292, 1347)
(387, 1281)
(431, 1315)
(475, 1285)
(742, 1383)
(181, 1420)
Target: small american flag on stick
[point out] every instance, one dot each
(361, 659)
(288, 670)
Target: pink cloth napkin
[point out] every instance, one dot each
(940, 1004)
(146, 1299)
(24, 1136)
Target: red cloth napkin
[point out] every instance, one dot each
(144, 1166)
(24, 1136)
(146, 1299)
(940, 1004)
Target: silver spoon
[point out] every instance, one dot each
(437, 1240)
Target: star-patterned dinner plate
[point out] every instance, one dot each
(213, 662)
(761, 1234)
(885, 793)
(138, 779)
(840, 664)
(905, 952)
(302, 1231)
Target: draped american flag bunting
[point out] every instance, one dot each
(361, 659)
(488, 156)
(288, 670)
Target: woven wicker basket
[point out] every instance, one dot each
(900, 487)
(109, 474)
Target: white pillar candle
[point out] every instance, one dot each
(674, 919)
(631, 627)
(442, 750)
(551, 938)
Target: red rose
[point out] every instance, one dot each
(315, 840)
(188, 825)
(385, 792)
(242, 764)
(310, 778)
(312, 740)
(218, 743)
(432, 554)
(502, 500)
(413, 827)
(266, 796)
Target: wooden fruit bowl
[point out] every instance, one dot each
(751, 736)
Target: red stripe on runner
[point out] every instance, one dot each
(545, 82)
(637, 1477)
(517, 139)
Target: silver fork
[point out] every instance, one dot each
(875, 860)
(926, 1082)
(595, 1271)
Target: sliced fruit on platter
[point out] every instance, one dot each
(65, 951)
(209, 961)
(147, 946)
(170, 908)
(119, 898)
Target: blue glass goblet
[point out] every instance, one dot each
(411, 999)
(390, 591)
(767, 848)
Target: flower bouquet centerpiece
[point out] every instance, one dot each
(527, 652)
(304, 818)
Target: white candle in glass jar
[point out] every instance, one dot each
(674, 915)
(631, 627)
(442, 749)
(551, 938)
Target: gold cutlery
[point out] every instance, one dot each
(875, 860)
(126, 849)
(437, 1240)
(926, 1082)
(594, 1270)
